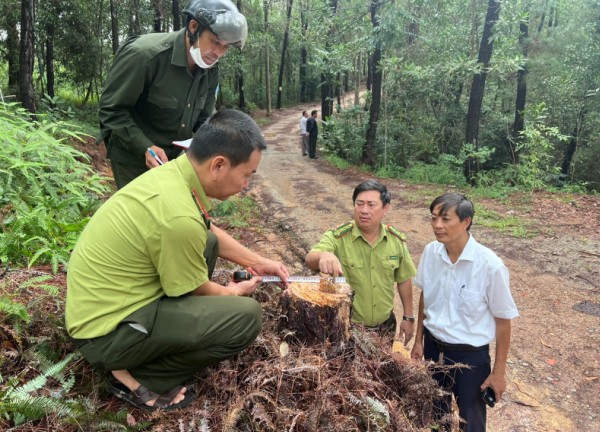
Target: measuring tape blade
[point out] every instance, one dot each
(309, 279)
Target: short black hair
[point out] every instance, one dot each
(230, 133)
(303, 112)
(313, 112)
(370, 185)
(462, 205)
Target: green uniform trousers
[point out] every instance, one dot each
(165, 342)
(125, 173)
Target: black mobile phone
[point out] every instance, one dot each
(241, 275)
(489, 397)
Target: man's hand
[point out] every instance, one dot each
(151, 161)
(417, 350)
(330, 264)
(407, 330)
(497, 382)
(244, 288)
(270, 267)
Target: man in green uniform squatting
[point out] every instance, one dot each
(140, 302)
(161, 87)
(372, 256)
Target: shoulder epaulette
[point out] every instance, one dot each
(342, 230)
(396, 232)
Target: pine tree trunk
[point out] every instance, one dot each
(521, 99)
(283, 52)
(177, 15)
(26, 57)
(12, 47)
(50, 60)
(477, 88)
(368, 155)
(114, 27)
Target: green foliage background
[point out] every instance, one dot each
(47, 189)
(429, 58)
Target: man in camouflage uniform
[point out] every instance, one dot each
(373, 257)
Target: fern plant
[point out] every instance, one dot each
(47, 189)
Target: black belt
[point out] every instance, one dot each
(444, 346)
(389, 323)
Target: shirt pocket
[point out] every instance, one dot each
(163, 101)
(163, 108)
(390, 264)
(353, 269)
(470, 302)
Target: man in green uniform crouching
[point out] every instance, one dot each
(140, 302)
(372, 256)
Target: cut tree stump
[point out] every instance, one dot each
(317, 313)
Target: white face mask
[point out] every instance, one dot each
(197, 57)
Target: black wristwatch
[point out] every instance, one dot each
(408, 318)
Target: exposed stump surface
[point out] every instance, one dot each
(317, 313)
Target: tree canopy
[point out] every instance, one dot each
(507, 90)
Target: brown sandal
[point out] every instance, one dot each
(141, 395)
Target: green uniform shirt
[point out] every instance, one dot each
(151, 97)
(145, 242)
(370, 270)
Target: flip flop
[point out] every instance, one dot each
(141, 395)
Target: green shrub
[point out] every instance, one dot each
(47, 189)
(235, 211)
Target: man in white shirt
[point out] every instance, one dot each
(304, 134)
(465, 304)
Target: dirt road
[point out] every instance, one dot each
(554, 362)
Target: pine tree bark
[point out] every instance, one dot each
(114, 27)
(12, 48)
(158, 16)
(303, 75)
(26, 57)
(368, 154)
(477, 88)
(240, 75)
(519, 123)
(177, 15)
(283, 53)
(327, 85)
(266, 6)
(50, 60)
(572, 146)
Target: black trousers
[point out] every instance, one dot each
(463, 383)
(312, 146)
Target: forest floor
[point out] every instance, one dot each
(554, 360)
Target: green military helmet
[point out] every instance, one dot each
(221, 17)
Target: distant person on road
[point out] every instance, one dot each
(465, 304)
(304, 137)
(140, 300)
(161, 87)
(313, 131)
(373, 257)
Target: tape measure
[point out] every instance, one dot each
(242, 275)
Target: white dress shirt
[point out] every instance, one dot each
(462, 299)
(303, 125)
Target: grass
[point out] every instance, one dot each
(337, 161)
(236, 212)
(512, 225)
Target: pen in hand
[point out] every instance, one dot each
(155, 156)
